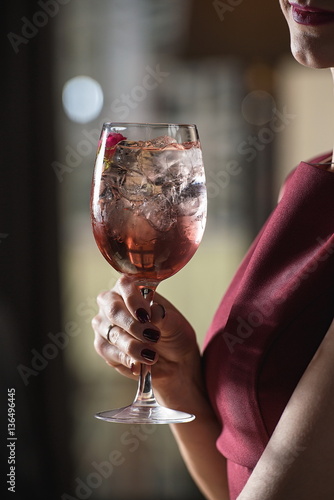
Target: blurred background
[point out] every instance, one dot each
(68, 66)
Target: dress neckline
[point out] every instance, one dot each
(321, 162)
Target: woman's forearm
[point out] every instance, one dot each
(196, 440)
(298, 462)
(197, 444)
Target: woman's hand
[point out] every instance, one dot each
(159, 336)
(160, 332)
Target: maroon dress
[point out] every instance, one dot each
(272, 319)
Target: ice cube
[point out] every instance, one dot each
(135, 186)
(165, 166)
(126, 153)
(160, 142)
(158, 212)
(115, 213)
(153, 165)
(111, 178)
(192, 200)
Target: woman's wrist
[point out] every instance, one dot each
(184, 388)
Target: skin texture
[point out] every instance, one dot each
(297, 463)
(311, 46)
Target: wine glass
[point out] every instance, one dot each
(148, 211)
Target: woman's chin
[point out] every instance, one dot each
(313, 59)
(312, 50)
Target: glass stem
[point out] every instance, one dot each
(145, 395)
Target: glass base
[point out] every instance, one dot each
(146, 414)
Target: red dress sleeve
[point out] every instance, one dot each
(272, 319)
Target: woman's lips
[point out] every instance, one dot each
(311, 16)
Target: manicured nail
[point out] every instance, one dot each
(142, 315)
(151, 335)
(148, 354)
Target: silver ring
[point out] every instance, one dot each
(108, 332)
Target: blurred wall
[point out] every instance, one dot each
(35, 421)
(223, 65)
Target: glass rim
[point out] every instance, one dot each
(149, 124)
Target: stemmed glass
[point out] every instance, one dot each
(148, 211)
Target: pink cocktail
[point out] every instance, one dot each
(148, 210)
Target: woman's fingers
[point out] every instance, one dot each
(139, 331)
(123, 351)
(126, 298)
(123, 341)
(112, 354)
(113, 311)
(158, 313)
(136, 304)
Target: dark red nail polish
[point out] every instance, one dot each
(148, 354)
(142, 315)
(151, 335)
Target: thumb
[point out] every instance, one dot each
(158, 313)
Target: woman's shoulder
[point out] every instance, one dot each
(315, 161)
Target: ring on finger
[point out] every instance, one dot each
(108, 333)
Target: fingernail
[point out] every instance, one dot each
(151, 335)
(142, 315)
(148, 354)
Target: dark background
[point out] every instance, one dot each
(30, 283)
